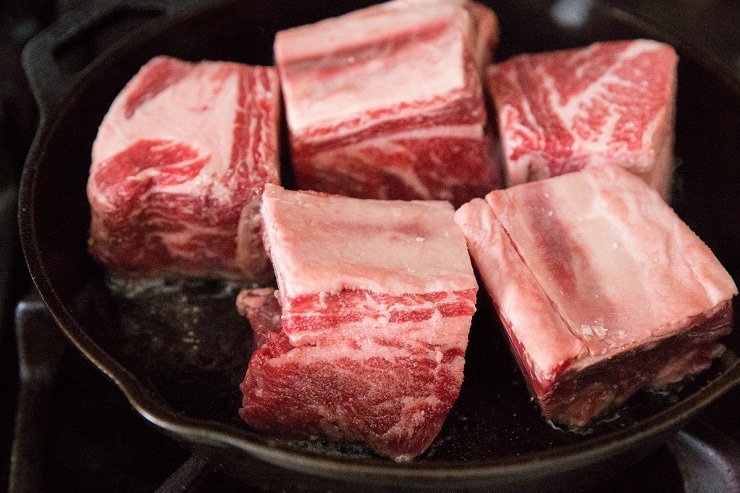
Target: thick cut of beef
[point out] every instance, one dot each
(178, 168)
(366, 340)
(608, 103)
(602, 289)
(387, 102)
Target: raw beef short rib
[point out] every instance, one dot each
(387, 102)
(600, 286)
(178, 168)
(366, 339)
(608, 103)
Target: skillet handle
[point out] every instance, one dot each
(60, 55)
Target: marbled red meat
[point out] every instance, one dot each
(602, 289)
(262, 308)
(608, 103)
(178, 168)
(367, 342)
(387, 102)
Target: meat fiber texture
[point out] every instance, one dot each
(601, 288)
(387, 102)
(608, 103)
(178, 168)
(366, 339)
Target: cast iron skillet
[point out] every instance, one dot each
(178, 351)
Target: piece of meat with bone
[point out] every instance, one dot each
(366, 340)
(602, 289)
(178, 168)
(387, 102)
(608, 103)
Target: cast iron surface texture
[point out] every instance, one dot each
(179, 351)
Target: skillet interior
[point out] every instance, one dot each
(179, 351)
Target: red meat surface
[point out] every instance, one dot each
(387, 102)
(178, 168)
(602, 289)
(361, 344)
(608, 103)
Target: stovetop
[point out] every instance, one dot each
(71, 429)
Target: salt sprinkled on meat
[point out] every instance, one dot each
(591, 325)
(373, 327)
